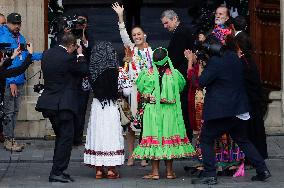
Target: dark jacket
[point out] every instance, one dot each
(182, 39)
(5, 73)
(225, 91)
(61, 73)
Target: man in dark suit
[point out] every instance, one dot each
(226, 110)
(58, 102)
(182, 38)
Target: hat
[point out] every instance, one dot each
(14, 18)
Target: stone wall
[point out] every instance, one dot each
(30, 123)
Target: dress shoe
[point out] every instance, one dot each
(263, 176)
(80, 143)
(67, 176)
(60, 178)
(205, 180)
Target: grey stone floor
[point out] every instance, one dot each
(31, 167)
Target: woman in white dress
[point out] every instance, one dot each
(104, 142)
(141, 58)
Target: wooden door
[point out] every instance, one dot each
(265, 35)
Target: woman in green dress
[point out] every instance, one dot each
(164, 135)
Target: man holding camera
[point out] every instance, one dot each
(226, 110)
(10, 34)
(84, 85)
(59, 100)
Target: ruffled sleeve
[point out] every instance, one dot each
(145, 82)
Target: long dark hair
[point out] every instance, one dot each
(105, 88)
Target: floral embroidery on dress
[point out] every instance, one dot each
(104, 153)
(141, 59)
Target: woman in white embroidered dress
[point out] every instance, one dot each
(104, 141)
(141, 58)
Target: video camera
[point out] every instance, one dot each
(205, 50)
(73, 23)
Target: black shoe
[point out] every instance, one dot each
(78, 143)
(67, 176)
(263, 176)
(61, 178)
(205, 180)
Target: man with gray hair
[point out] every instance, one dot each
(182, 38)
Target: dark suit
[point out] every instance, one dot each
(83, 102)
(225, 98)
(182, 39)
(58, 102)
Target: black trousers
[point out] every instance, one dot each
(63, 126)
(212, 129)
(80, 120)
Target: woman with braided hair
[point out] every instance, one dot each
(164, 135)
(104, 141)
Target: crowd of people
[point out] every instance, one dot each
(204, 88)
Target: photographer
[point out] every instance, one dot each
(4, 73)
(81, 28)
(226, 110)
(10, 33)
(59, 100)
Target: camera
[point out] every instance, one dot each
(73, 23)
(5, 50)
(23, 47)
(205, 50)
(38, 88)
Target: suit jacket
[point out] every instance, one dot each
(182, 39)
(61, 73)
(225, 91)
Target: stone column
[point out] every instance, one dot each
(274, 120)
(30, 123)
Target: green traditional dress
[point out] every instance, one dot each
(164, 135)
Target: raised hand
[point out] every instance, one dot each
(16, 52)
(117, 8)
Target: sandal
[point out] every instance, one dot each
(113, 174)
(130, 162)
(144, 163)
(171, 176)
(151, 176)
